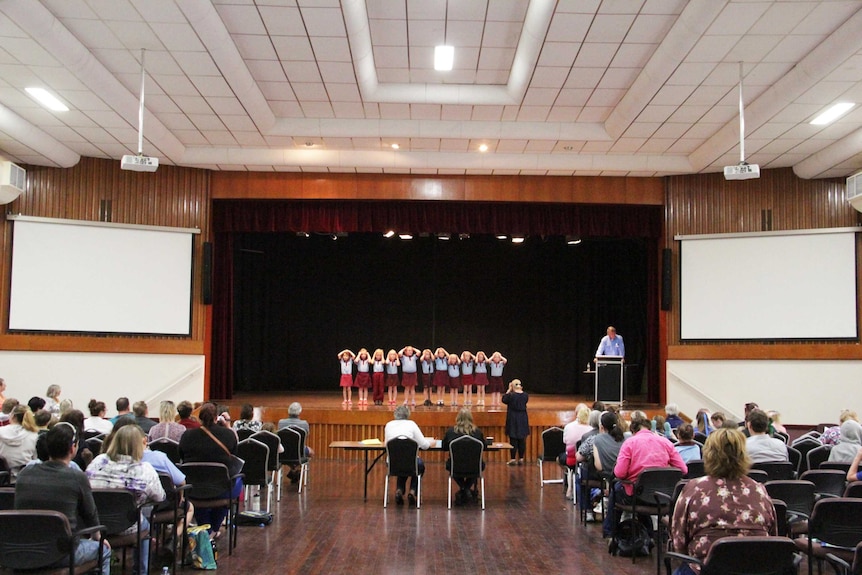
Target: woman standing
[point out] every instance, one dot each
(517, 422)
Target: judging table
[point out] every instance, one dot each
(380, 447)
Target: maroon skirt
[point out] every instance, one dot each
(454, 382)
(467, 379)
(425, 381)
(408, 379)
(480, 379)
(346, 380)
(495, 384)
(441, 379)
(391, 380)
(363, 380)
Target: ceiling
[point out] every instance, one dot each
(583, 87)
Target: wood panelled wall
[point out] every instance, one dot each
(176, 197)
(708, 204)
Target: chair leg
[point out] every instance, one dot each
(541, 474)
(450, 493)
(418, 491)
(301, 476)
(482, 481)
(280, 473)
(385, 490)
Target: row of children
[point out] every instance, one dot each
(442, 370)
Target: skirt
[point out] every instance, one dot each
(425, 382)
(467, 379)
(454, 382)
(363, 380)
(346, 380)
(480, 379)
(441, 379)
(391, 380)
(495, 383)
(408, 379)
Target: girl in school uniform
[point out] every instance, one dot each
(441, 373)
(363, 377)
(453, 369)
(392, 364)
(377, 375)
(409, 377)
(467, 365)
(480, 376)
(495, 380)
(345, 358)
(427, 362)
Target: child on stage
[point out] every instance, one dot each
(363, 377)
(454, 370)
(409, 379)
(495, 381)
(441, 373)
(427, 375)
(467, 365)
(379, 367)
(392, 363)
(345, 357)
(480, 376)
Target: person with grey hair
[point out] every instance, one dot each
(52, 399)
(673, 418)
(402, 426)
(142, 416)
(293, 420)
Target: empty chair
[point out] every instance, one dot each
(758, 475)
(853, 489)
(780, 507)
(119, 512)
(465, 457)
(835, 525)
(36, 541)
(817, 456)
(795, 457)
(244, 433)
(7, 498)
(744, 555)
(402, 460)
(171, 512)
(839, 465)
(167, 446)
(776, 469)
(695, 469)
(552, 447)
(293, 440)
(782, 436)
(827, 482)
(803, 445)
(798, 496)
(211, 487)
(256, 457)
(272, 441)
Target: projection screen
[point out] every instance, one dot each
(92, 277)
(774, 285)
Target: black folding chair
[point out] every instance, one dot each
(835, 526)
(208, 484)
(744, 556)
(798, 496)
(293, 440)
(465, 460)
(552, 447)
(402, 460)
(827, 482)
(119, 512)
(167, 446)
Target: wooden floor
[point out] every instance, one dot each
(329, 529)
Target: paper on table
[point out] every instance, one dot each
(373, 441)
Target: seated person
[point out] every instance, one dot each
(853, 474)
(398, 427)
(832, 435)
(687, 448)
(246, 419)
(600, 452)
(463, 426)
(849, 444)
(724, 502)
(673, 418)
(761, 447)
(166, 428)
(293, 420)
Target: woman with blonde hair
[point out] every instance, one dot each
(167, 426)
(52, 400)
(463, 426)
(724, 502)
(18, 439)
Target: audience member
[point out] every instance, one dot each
(574, 431)
(9, 404)
(66, 405)
(718, 419)
(853, 474)
(403, 426)
(52, 400)
(122, 409)
(600, 453)
(42, 419)
(142, 416)
(849, 444)
(775, 421)
(85, 455)
(673, 418)
(725, 502)
(688, 449)
(662, 427)
(703, 423)
(246, 419)
(184, 410)
(36, 403)
(831, 435)
(18, 439)
(56, 486)
(463, 426)
(2, 390)
(97, 421)
(749, 407)
(293, 420)
(166, 427)
(761, 447)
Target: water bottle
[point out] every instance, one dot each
(255, 502)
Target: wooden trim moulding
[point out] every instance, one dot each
(64, 343)
(780, 351)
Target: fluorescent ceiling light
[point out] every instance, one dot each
(405, 236)
(573, 240)
(47, 99)
(502, 237)
(389, 234)
(832, 113)
(517, 239)
(444, 58)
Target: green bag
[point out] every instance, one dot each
(200, 554)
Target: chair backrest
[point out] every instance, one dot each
(817, 456)
(695, 469)
(552, 444)
(256, 456)
(835, 521)
(700, 437)
(167, 446)
(465, 455)
(117, 508)
(853, 489)
(29, 538)
(208, 480)
(401, 454)
(839, 465)
(758, 475)
(776, 469)
(795, 457)
(91, 433)
(746, 555)
(291, 439)
(7, 498)
(780, 508)
(783, 437)
(797, 494)
(803, 445)
(653, 479)
(827, 481)
(244, 433)
(272, 441)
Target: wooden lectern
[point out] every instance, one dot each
(609, 379)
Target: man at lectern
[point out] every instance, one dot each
(611, 344)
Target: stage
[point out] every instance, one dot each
(331, 421)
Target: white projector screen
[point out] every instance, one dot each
(774, 285)
(74, 276)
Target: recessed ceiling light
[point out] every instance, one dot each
(395, 146)
(573, 240)
(832, 113)
(483, 147)
(502, 237)
(444, 58)
(517, 239)
(389, 234)
(405, 236)
(47, 99)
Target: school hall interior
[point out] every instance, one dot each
(293, 135)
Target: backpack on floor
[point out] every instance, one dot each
(256, 518)
(633, 539)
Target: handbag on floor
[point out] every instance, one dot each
(200, 554)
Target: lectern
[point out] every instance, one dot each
(609, 378)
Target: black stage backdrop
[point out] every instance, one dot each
(288, 304)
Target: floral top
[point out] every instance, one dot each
(710, 508)
(136, 476)
(250, 424)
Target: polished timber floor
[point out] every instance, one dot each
(328, 529)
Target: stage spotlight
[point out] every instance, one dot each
(463, 236)
(518, 239)
(502, 237)
(445, 237)
(333, 236)
(405, 236)
(389, 234)
(573, 240)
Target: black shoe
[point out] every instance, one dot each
(427, 403)
(411, 497)
(399, 497)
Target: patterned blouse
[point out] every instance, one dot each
(710, 508)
